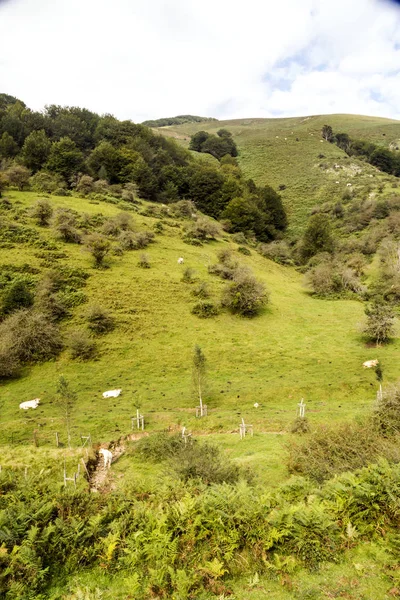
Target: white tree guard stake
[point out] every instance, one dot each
(68, 478)
(201, 411)
(244, 428)
(302, 409)
(186, 436)
(379, 394)
(86, 439)
(138, 420)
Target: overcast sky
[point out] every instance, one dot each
(142, 59)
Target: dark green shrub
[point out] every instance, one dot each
(380, 321)
(245, 295)
(64, 224)
(98, 246)
(205, 310)
(244, 250)
(60, 192)
(276, 251)
(42, 212)
(333, 450)
(203, 229)
(81, 345)
(204, 461)
(135, 241)
(17, 295)
(159, 447)
(46, 182)
(386, 415)
(29, 336)
(121, 222)
(158, 227)
(99, 320)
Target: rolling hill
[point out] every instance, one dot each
(149, 533)
(291, 153)
(299, 347)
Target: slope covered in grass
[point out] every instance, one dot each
(291, 153)
(299, 347)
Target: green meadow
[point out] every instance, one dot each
(299, 347)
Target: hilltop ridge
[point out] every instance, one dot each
(290, 155)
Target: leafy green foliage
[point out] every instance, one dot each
(218, 145)
(65, 158)
(332, 450)
(42, 212)
(27, 336)
(178, 120)
(317, 237)
(380, 321)
(386, 416)
(99, 246)
(205, 309)
(17, 295)
(246, 295)
(36, 150)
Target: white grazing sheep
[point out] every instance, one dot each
(30, 404)
(338, 182)
(107, 457)
(348, 184)
(368, 364)
(180, 261)
(256, 405)
(112, 393)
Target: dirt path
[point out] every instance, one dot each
(100, 479)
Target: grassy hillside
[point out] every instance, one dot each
(299, 347)
(288, 152)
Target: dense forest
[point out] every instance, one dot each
(70, 148)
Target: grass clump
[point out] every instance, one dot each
(188, 275)
(201, 290)
(144, 261)
(205, 310)
(100, 321)
(81, 345)
(300, 425)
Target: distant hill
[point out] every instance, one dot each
(178, 120)
(290, 155)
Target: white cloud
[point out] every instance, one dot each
(146, 59)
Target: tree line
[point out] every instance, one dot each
(61, 147)
(383, 159)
